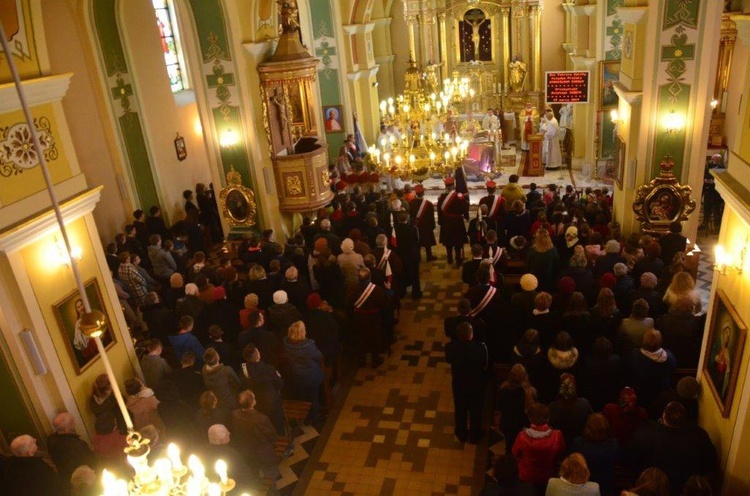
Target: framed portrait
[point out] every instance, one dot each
(179, 148)
(68, 311)
(333, 122)
(609, 74)
(726, 339)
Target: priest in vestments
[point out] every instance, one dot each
(552, 141)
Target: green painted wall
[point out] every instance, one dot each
(329, 74)
(677, 69)
(124, 101)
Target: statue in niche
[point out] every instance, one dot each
(517, 70)
(475, 37)
(289, 15)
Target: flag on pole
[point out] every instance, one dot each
(359, 139)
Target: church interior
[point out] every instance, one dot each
(135, 102)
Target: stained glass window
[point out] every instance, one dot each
(170, 44)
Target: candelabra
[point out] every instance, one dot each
(423, 137)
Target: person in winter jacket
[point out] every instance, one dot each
(538, 449)
(266, 382)
(220, 379)
(185, 341)
(305, 367)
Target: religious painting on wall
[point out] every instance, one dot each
(68, 312)
(723, 354)
(609, 74)
(180, 148)
(333, 120)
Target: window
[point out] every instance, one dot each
(170, 43)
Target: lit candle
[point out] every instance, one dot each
(163, 468)
(221, 470)
(173, 452)
(214, 489)
(196, 467)
(383, 106)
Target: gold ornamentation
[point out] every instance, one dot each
(17, 152)
(663, 201)
(293, 185)
(237, 201)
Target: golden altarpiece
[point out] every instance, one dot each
(494, 43)
(300, 162)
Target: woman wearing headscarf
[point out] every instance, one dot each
(625, 416)
(569, 412)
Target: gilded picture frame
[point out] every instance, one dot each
(68, 310)
(723, 354)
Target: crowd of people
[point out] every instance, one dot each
(597, 346)
(224, 336)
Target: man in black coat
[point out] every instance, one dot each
(471, 267)
(66, 449)
(407, 249)
(450, 324)
(422, 212)
(679, 448)
(672, 243)
(26, 473)
(469, 362)
(453, 209)
(296, 289)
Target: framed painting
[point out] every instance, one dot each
(333, 119)
(180, 148)
(68, 311)
(609, 74)
(721, 363)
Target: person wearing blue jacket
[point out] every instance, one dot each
(305, 367)
(184, 341)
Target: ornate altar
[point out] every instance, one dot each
(662, 201)
(300, 164)
(494, 44)
(237, 202)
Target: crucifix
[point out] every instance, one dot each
(475, 18)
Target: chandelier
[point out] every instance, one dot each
(423, 137)
(168, 476)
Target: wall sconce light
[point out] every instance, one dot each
(57, 253)
(673, 122)
(714, 103)
(615, 116)
(229, 138)
(724, 261)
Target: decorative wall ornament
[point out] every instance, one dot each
(663, 201)
(613, 31)
(17, 151)
(293, 184)
(237, 201)
(219, 79)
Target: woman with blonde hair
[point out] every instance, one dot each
(574, 479)
(305, 367)
(261, 285)
(543, 260)
(683, 285)
(514, 397)
(251, 304)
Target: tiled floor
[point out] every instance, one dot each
(394, 430)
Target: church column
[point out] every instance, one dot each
(411, 22)
(443, 45)
(362, 77)
(535, 30)
(505, 13)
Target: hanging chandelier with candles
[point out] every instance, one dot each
(425, 139)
